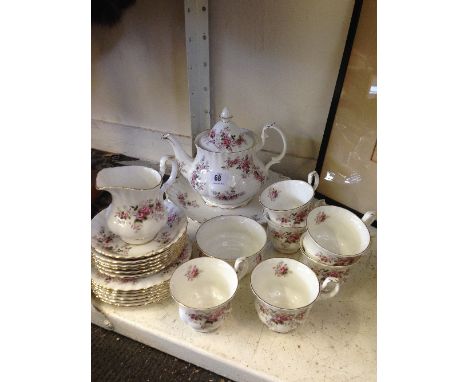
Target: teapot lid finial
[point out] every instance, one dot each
(226, 114)
(225, 136)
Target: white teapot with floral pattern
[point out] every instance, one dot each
(226, 171)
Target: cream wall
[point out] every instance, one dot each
(139, 75)
(278, 61)
(270, 60)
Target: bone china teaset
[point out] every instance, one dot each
(141, 251)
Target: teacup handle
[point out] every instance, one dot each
(241, 266)
(277, 158)
(315, 177)
(334, 291)
(162, 171)
(369, 217)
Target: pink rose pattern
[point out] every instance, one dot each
(137, 214)
(281, 269)
(286, 237)
(205, 320)
(278, 317)
(182, 198)
(322, 274)
(164, 237)
(107, 239)
(228, 195)
(321, 217)
(247, 166)
(172, 219)
(334, 260)
(297, 217)
(226, 141)
(195, 181)
(273, 193)
(192, 272)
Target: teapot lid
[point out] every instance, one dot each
(225, 135)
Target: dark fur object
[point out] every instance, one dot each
(108, 12)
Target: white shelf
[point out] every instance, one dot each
(337, 343)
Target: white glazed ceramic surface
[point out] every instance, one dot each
(203, 288)
(285, 290)
(182, 194)
(236, 239)
(288, 202)
(339, 273)
(137, 211)
(109, 244)
(226, 171)
(135, 284)
(336, 236)
(285, 239)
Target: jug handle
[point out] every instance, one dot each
(277, 158)
(162, 171)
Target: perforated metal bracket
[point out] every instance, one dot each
(198, 64)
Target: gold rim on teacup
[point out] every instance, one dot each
(209, 308)
(311, 175)
(320, 263)
(278, 307)
(239, 262)
(366, 220)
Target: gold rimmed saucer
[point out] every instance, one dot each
(140, 292)
(110, 284)
(112, 296)
(171, 253)
(133, 303)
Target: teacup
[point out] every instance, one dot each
(285, 290)
(336, 236)
(339, 274)
(285, 239)
(288, 202)
(203, 288)
(236, 239)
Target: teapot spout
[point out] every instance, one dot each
(184, 160)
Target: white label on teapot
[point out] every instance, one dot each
(220, 177)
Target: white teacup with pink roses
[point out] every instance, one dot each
(288, 202)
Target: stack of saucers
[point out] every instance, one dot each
(286, 205)
(130, 291)
(126, 264)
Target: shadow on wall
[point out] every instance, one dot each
(139, 68)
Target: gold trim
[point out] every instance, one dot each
(176, 249)
(277, 307)
(162, 285)
(339, 254)
(129, 188)
(150, 254)
(290, 209)
(222, 216)
(314, 260)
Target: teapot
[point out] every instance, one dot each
(226, 171)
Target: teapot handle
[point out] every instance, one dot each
(277, 158)
(162, 171)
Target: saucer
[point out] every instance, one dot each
(108, 244)
(138, 284)
(137, 268)
(185, 197)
